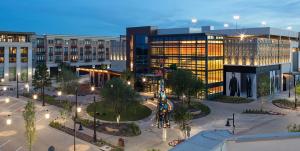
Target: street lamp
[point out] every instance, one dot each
(226, 25)
(47, 115)
(27, 87)
(144, 79)
(95, 110)
(263, 23)
(128, 82)
(194, 20)
(228, 123)
(59, 94)
(8, 120)
(35, 96)
(289, 28)
(236, 18)
(2, 80)
(7, 100)
(4, 88)
(77, 110)
(18, 84)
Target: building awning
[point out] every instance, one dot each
(116, 73)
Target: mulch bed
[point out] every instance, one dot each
(121, 129)
(81, 135)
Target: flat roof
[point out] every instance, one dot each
(204, 141)
(259, 31)
(17, 33)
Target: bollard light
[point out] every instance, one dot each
(8, 120)
(78, 109)
(35, 96)
(47, 115)
(7, 100)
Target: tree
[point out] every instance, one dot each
(117, 92)
(195, 86)
(173, 66)
(66, 111)
(182, 116)
(68, 79)
(178, 80)
(29, 117)
(127, 76)
(41, 79)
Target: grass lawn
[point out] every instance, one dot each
(284, 103)
(231, 99)
(205, 110)
(134, 112)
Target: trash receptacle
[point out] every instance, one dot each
(51, 148)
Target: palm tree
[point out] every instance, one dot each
(41, 79)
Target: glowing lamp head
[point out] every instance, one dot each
(47, 115)
(26, 85)
(2, 80)
(242, 36)
(194, 20)
(289, 28)
(92, 88)
(144, 79)
(35, 96)
(59, 93)
(236, 17)
(226, 25)
(264, 23)
(7, 100)
(8, 120)
(128, 82)
(79, 109)
(4, 88)
(19, 73)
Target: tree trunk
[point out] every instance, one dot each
(43, 93)
(189, 101)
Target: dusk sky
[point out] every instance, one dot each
(111, 17)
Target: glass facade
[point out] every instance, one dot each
(200, 53)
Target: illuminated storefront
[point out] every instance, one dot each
(200, 53)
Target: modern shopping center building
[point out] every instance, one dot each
(248, 62)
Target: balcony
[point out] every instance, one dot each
(87, 60)
(101, 46)
(58, 60)
(58, 53)
(73, 44)
(58, 45)
(101, 59)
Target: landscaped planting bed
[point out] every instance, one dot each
(121, 129)
(232, 99)
(284, 103)
(134, 112)
(82, 136)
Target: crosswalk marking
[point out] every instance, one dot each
(4, 143)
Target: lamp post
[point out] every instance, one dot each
(18, 84)
(95, 133)
(59, 94)
(236, 18)
(295, 83)
(35, 96)
(77, 110)
(228, 123)
(27, 87)
(8, 120)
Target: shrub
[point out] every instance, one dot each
(232, 99)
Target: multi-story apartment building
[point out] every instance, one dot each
(16, 56)
(118, 53)
(77, 51)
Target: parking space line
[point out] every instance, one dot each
(5, 143)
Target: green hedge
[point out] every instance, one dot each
(232, 99)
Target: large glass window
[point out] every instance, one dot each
(12, 54)
(24, 54)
